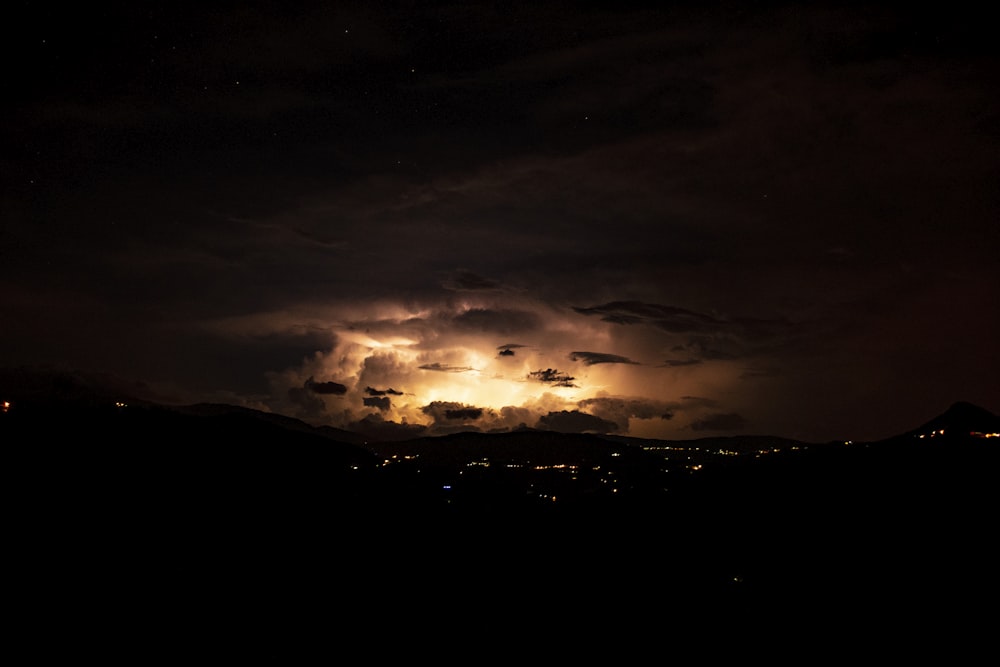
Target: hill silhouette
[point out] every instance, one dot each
(962, 419)
(249, 525)
(902, 521)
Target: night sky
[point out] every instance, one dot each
(665, 220)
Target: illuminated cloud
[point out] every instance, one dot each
(375, 367)
(433, 366)
(499, 321)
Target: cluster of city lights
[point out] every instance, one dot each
(972, 434)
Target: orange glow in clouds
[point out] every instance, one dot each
(427, 367)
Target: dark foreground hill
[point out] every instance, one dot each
(227, 533)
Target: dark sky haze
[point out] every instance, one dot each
(660, 219)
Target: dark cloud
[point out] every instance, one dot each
(306, 401)
(445, 429)
(712, 336)
(383, 403)
(716, 354)
(719, 421)
(831, 164)
(703, 401)
(617, 408)
(467, 281)
(667, 318)
(591, 358)
(375, 427)
(464, 413)
(308, 398)
(712, 348)
(574, 421)
(371, 391)
(451, 411)
(499, 321)
(675, 363)
(553, 377)
(387, 325)
(71, 385)
(445, 368)
(326, 388)
(752, 373)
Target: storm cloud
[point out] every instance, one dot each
(756, 207)
(631, 406)
(668, 318)
(622, 409)
(591, 358)
(375, 427)
(553, 377)
(371, 391)
(326, 388)
(574, 421)
(451, 411)
(467, 281)
(308, 402)
(677, 363)
(445, 368)
(499, 321)
(383, 403)
(719, 421)
(709, 336)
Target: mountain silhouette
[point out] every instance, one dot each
(255, 526)
(961, 419)
(279, 420)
